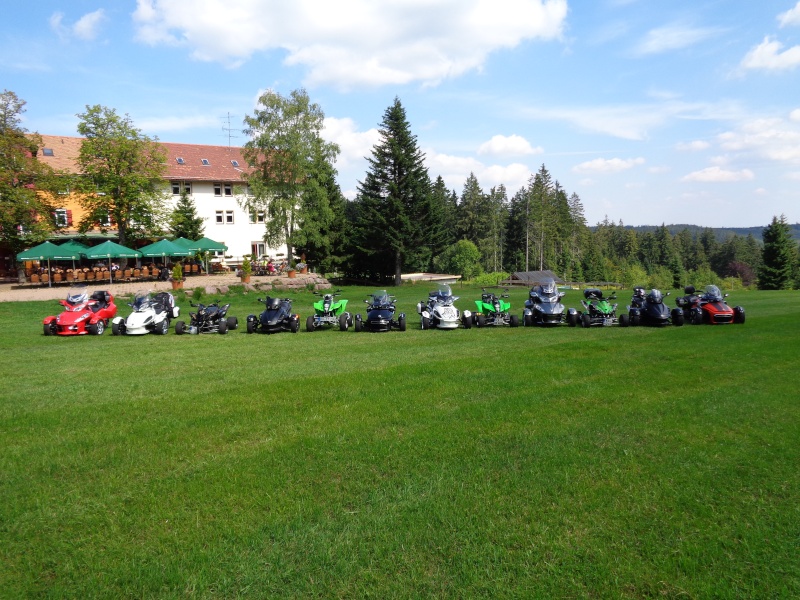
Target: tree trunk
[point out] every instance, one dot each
(398, 268)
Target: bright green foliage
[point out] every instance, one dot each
(292, 169)
(184, 220)
(462, 258)
(25, 216)
(779, 257)
(122, 175)
(395, 211)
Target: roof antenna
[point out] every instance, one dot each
(228, 129)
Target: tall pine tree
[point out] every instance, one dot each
(393, 224)
(778, 258)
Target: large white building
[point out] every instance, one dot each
(212, 175)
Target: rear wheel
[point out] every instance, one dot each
(233, 323)
(401, 322)
(344, 323)
(222, 327)
(624, 320)
(180, 328)
(96, 328)
(514, 321)
(310, 323)
(586, 320)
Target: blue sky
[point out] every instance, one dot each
(685, 111)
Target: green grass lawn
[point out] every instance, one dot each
(497, 463)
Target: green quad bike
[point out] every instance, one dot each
(598, 310)
(494, 310)
(329, 313)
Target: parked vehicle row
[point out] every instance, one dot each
(85, 314)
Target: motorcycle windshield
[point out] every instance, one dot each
(548, 288)
(141, 300)
(713, 294)
(381, 298)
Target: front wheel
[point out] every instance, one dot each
(161, 329)
(425, 323)
(514, 321)
(401, 323)
(48, 330)
(527, 320)
(310, 323)
(233, 323)
(359, 324)
(180, 328)
(116, 329)
(738, 315)
(294, 325)
(697, 317)
(572, 319)
(480, 321)
(222, 327)
(586, 320)
(251, 327)
(677, 317)
(467, 322)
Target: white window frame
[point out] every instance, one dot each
(220, 217)
(179, 185)
(229, 217)
(62, 219)
(257, 217)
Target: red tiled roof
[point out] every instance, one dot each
(220, 168)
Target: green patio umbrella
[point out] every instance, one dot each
(163, 249)
(73, 246)
(47, 251)
(182, 241)
(206, 245)
(110, 250)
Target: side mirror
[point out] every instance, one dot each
(725, 295)
(667, 294)
(260, 299)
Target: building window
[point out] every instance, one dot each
(224, 217)
(63, 217)
(217, 189)
(47, 151)
(229, 189)
(180, 160)
(235, 163)
(205, 162)
(228, 217)
(258, 249)
(257, 217)
(179, 186)
(220, 217)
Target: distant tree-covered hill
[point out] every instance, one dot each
(722, 233)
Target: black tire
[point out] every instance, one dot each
(233, 323)
(294, 325)
(359, 324)
(401, 323)
(344, 323)
(677, 317)
(425, 323)
(115, 328)
(586, 320)
(96, 328)
(738, 315)
(624, 320)
(636, 320)
(48, 329)
(310, 323)
(697, 317)
(467, 321)
(222, 327)
(251, 326)
(513, 320)
(480, 320)
(160, 329)
(572, 319)
(527, 320)
(180, 328)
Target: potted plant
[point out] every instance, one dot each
(247, 269)
(302, 267)
(291, 272)
(177, 276)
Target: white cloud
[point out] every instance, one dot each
(719, 175)
(795, 115)
(358, 43)
(513, 145)
(790, 17)
(354, 145)
(768, 56)
(182, 123)
(673, 37)
(775, 139)
(694, 146)
(607, 165)
(86, 28)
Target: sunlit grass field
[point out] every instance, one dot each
(496, 463)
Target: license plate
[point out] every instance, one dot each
(608, 321)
